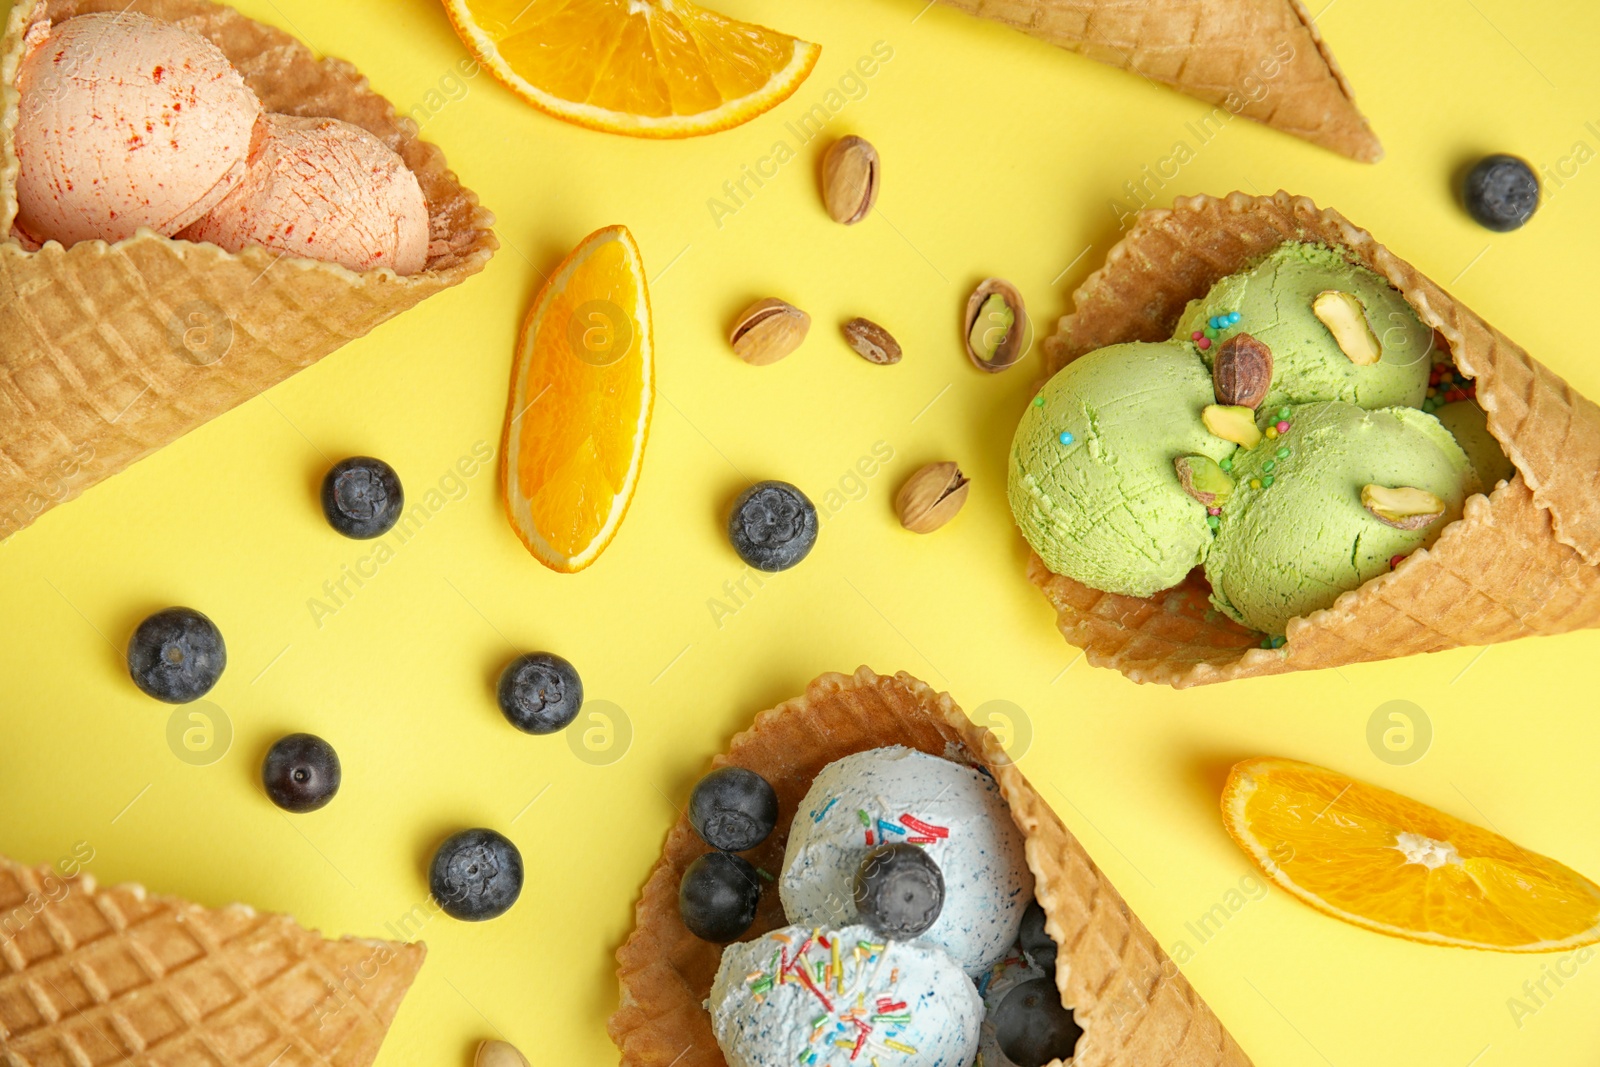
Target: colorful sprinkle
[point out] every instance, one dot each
(1255, 483)
(1394, 561)
(1067, 438)
(1038, 401)
(1213, 522)
(1203, 344)
(1213, 511)
(1196, 335)
(1269, 465)
(922, 840)
(816, 816)
(890, 828)
(1272, 642)
(1266, 483)
(765, 875)
(900, 1047)
(1272, 431)
(1226, 464)
(1283, 453)
(1282, 426)
(1283, 413)
(922, 827)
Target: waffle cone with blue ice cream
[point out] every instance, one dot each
(1523, 558)
(1134, 1006)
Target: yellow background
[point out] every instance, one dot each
(1001, 156)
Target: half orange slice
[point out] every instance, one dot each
(582, 388)
(647, 68)
(1394, 865)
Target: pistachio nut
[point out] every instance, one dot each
(871, 342)
(1241, 371)
(996, 325)
(1346, 318)
(931, 497)
(499, 1054)
(1232, 422)
(850, 179)
(768, 330)
(1404, 508)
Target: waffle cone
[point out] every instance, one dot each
(1523, 560)
(94, 977)
(109, 352)
(1260, 58)
(1135, 1007)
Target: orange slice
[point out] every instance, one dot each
(1392, 864)
(581, 392)
(647, 68)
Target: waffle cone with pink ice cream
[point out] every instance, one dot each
(323, 189)
(127, 122)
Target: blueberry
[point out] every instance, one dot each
(1501, 192)
(733, 809)
(540, 693)
(718, 895)
(476, 875)
(1032, 1028)
(177, 655)
(301, 772)
(773, 526)
(1040, 946)
(362, 497)
(899, 891)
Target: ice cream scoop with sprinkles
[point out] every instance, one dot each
(898, 795)
(824, 997)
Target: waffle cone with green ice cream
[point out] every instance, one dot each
(1522, 559)
(1092, 482)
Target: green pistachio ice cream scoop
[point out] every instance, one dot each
(1277, 303)
(1327, 505)
(1092, 478)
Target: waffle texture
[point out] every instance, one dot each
(94, 977)
(1523, 560)
(1263, 59)
(1135, 1007)
(109, 352)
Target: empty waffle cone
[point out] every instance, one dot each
(95, 977)
(1521, 561)
(1135, 1007)
(109, 352)
(1260, 58)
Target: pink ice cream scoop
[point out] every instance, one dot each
(323, 189)
(125, 121)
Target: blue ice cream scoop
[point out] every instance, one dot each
(898, 795)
